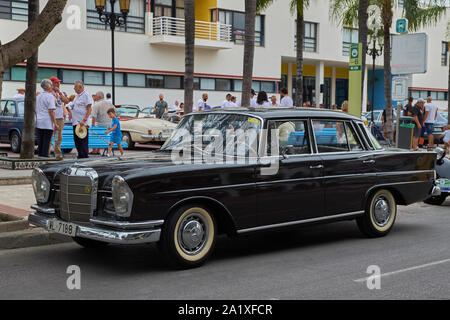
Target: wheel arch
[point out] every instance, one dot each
(225, 221)
(14, 130)
(399, 199)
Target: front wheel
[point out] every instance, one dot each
(189, 236)
(379, 216)
(89, 243)
(436, 201)
(127, 138)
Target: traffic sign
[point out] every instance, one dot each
(399, 88)
(401, 26)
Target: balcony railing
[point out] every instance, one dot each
(168, 26)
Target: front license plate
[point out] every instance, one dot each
(65, 228)
(443, 184)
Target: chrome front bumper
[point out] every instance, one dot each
(155, 137)
(141, 232)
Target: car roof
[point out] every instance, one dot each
(285, 112)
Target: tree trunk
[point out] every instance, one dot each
(299, 71)
(26, 44)
(27, 148)
(189, 37)
(362, 38)
(386, 13)
(249, 51)
(448, 92)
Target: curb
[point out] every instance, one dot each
(31, 237)
(14, 181)
(10, 223)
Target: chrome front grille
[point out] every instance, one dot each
(78, 193)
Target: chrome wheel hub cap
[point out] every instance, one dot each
(381, 211)
(192, 234)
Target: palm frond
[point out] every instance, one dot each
(262, 5)
(344, 12)
(299, 5)
(422, 15)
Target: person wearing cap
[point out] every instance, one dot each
(60, 114)
(418, 116)
(82, 108)
(45, 118)
(20, 94)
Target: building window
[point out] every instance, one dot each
(438, 95)
(14, 10)
(196, 83)
(237, 22)
(267, 86)
(135, 80)
(93, 77)
(155, 81)
(444, 53)
(18, 73)
(7, 75)
(237, 85)
(350, 37)
(135, 18)
(163, 8)
(118, 77)
(309, 37)
(172, 82)
(46, 73)
(207, 84)
(70, 76)
(416, 94)
(223, 84)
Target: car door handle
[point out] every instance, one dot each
(316, 167)
(369, 161)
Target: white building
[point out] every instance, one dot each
(150, 52)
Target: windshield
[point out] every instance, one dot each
(127, 112)
(201, 130)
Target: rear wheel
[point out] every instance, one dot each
(380, 214)
(90, 244)
(436, 201)
(189, 236)
(16, 142)
(127, 138)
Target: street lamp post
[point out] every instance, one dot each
(374, 53)
(113, 20)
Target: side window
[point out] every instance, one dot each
(353, 141)
(292, 136)
(330, 136)
(2, 106)
(9, 109)
(363, 131)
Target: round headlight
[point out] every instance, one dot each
(122, 197)
(41, 185)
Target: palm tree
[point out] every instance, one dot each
(298, 7)
(189, 37)
(249, 51)
(27, 148)
(418, 15)
(447, 36)
(362, 38)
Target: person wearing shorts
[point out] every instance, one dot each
(116, 134)
(417, 114)
(430, 119)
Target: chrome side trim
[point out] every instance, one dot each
(38, 208)
(128, 225)
(292, 223)
(102, 234)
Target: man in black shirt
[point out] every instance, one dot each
(418, 113)
(408, 111)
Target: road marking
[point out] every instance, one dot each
(404, 270)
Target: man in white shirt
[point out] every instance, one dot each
(82, 108)
(227, 102)
(45, 118)
(286, 101)
(430, 118)
(273, 101)
(60, 113)
(108, 97)
(201, 104)
(20, 94)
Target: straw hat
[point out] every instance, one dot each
(81, 131)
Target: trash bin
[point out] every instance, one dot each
(406, 133)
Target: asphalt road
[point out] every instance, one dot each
(320, 262)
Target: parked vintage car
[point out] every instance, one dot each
(312, 166)
(442, 179)
(142, 130)
(11, 123)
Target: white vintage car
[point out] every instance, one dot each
(142, 130)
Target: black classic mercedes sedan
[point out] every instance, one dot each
(234, 172)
